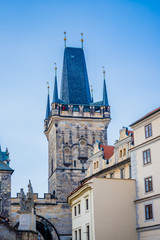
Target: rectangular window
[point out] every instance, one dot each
(75, 234)
(87, 204)
(75, 211)
(112, 175)
(79, 209)
(148, 184)
(148, 130)
(88, 235)
(148, 212)
(80, 236)
(130, 171)
(97, 164)
(146, 157)
(122, 173)
(74, 163)
(120, 153)
(124, 151)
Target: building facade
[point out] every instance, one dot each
(145, 162)
(103, 208)
(112, 161)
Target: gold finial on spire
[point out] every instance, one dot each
(82, 39)
(65, 39)
(48, 87)
(91, 91)
(55, 69)
(103, 72)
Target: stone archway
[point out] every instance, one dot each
(46, 228)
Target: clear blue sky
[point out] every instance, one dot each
(122, 35)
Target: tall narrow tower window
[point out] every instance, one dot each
(77, 131)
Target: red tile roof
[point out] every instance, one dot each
(108, 151)
(145, 116)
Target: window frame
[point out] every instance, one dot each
(75, 235)
(124, 151)
(120, 153)
(88, 232)
(147, 157)
(149, 213)
(148, 130)
(79, 208)
(148, 186)
(79, 234)
(75, 211)
(87, 204)
(122, 173)
(130, 171)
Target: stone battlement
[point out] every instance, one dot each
(48, 197)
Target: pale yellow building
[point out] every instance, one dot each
(103, 209)
(145, 162)
(112, 161)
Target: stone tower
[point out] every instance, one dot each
(72, 125)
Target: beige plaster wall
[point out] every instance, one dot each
(114, 209)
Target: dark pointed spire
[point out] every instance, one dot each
(55, 93)
(75, 84)
(48, 104)
(105, 97)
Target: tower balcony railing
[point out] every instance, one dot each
(80, 110)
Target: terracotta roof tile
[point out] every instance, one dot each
(108, 151)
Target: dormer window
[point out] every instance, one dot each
(124, 151)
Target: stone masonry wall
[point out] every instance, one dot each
(5, 194)
(70, 139)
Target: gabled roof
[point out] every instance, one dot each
(146, 116)
(108, 151)
(75, 84)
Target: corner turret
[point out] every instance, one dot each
(48, 105)
(105, 97)
(55, 92)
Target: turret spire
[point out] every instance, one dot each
(48, 104)
(105, 97)
(55, 93)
